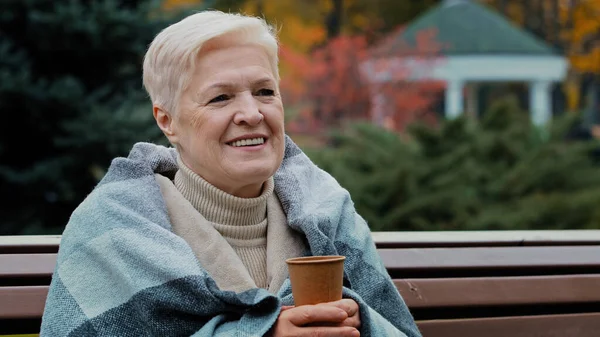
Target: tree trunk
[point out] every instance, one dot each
(531, 18)
(543, 30)
(259, 7)
(333, 21)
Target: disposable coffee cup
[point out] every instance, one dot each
(316, 279)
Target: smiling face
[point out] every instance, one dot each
(230, 127)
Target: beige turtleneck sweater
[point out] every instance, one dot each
(241, 221)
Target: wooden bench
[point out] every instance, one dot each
(517, 283)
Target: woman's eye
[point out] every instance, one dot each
(219, 98)
(265, 92)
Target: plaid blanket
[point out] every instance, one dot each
(122, 272)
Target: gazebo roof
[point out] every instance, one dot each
(469, 28)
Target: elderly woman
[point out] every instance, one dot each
(193, 240)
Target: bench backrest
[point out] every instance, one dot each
(520, 284)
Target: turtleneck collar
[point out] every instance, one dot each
(218, 206)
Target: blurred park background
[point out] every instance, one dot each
(434, 114)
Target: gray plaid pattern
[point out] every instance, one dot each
(122, 272)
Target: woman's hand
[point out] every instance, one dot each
(334, 319)
(352, 309)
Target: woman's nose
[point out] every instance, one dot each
(248, 111)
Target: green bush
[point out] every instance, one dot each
(496, 173)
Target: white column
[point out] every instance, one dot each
(454, 99)
(540, 104)
(472, 104)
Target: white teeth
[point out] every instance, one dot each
(248, 142)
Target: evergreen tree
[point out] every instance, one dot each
(72, 99)
(500, 173)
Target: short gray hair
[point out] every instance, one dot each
(171, 58)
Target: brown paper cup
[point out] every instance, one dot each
(316, 279)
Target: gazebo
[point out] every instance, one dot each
(483, 46)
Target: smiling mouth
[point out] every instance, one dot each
(248, 142)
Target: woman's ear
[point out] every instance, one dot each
(166, 123)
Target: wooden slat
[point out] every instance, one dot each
(27, 265)
(490, 291)
(31, 265)
(490, 257)
(11, 244)
(396, 239)
(486, 238)
(22, 302)
(571, 325)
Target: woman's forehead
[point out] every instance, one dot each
(232, 56)
(233, 66)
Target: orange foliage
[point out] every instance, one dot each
(578, 25)
(176, 4)
(326, 86)
(584, 37)
(573, 26)
(335, 84)
(299, 25)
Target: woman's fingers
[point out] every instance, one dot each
(328, 332)
(346, 304)
(353, 322)
(351, 308)
(323, 320)
(308, 314)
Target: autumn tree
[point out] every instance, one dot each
(336, 83)
(302, 25)
(573, 27)
(329, 80)
(321, 64)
